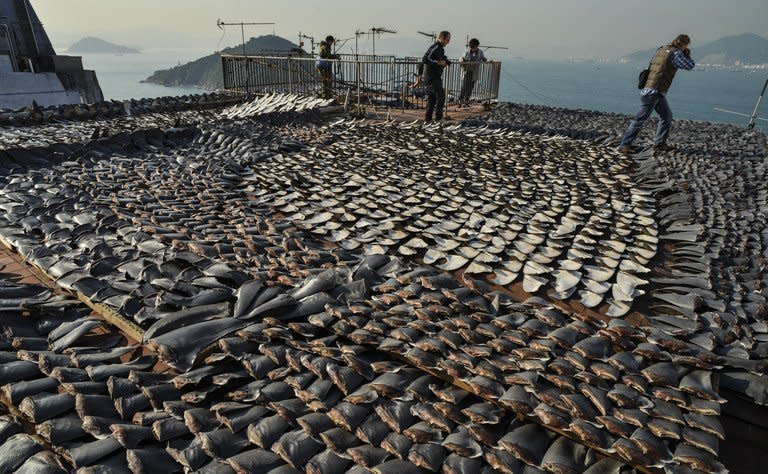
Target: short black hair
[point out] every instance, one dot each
(329, 39)
(474, 43)
(444, 34)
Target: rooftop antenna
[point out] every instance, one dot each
(340, 43)
(242, 26)
(222, 24)
(311, 40)
(486, 48)
(358, 34)
(432, 35)
(378, 31)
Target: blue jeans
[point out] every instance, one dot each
(650, 102)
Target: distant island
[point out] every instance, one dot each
(91, 45)
(743, 50)
(206, 71)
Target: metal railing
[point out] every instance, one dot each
(378, 81)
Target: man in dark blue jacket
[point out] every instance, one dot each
(435, 62)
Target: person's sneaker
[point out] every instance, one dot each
(628, 150)
(663, 147)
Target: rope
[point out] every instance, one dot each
(512, 78)
(223, 33)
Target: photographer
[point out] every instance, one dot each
(435, 62)
(664, 65)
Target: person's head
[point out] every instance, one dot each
(330, 39)
(474, 43)
(444, 38)
(682, 41)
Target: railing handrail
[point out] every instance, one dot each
(384, 80)
(394, 59)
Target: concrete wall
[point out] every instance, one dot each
(18, 89)
(5, 64)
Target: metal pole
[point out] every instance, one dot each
(290, 77)
(357, 68)
(247, 64)
(402, 97)
(242, 34)
(751, 125)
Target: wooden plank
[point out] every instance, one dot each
(129, 328)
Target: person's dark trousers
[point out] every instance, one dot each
(466, 88)
(435, 101)
(650, 102)
(327, 78)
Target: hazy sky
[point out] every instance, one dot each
(530, 28)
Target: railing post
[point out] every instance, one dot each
(402, 97)
(357, 74)
(290, 77)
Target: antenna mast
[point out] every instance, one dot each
(377, 31)
(221, 26)
(358, 34)
(431, 34)
(311, 41)
(484, 47)
(242, 26)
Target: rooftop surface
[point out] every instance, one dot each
(501, 292)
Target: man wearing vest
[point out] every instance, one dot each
(435, 62)
(325, 65)
(664, 65)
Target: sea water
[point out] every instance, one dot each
(605, 87)
(120, 75)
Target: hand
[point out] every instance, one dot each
(443, 62)
(687, 52)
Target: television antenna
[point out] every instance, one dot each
(379, 31)
(340, 43)
(432, 35)
(485, 48)
(242, 26)
(311, 39)
(358, 34)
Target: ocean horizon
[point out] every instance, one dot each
(605, 87)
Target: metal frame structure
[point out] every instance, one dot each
(369, 79)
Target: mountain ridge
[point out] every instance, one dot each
(746, 48)
(94, 45)
(206, 72)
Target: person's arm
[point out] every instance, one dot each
(482, 56)
(443, 60)
(431, 55)
(683, 61)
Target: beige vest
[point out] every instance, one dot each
(662, 71)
